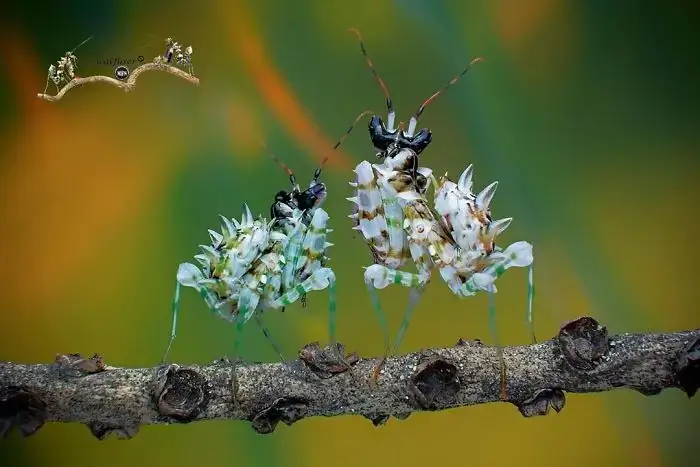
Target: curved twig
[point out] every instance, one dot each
(581, 359)
(127, 85)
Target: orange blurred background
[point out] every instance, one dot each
(586, 113)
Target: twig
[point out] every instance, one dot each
(127, 85)
(582, 358)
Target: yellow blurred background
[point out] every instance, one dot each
(586, 112)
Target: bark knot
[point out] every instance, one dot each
(284, 409)
(20, 409)
(74, 365)
(540, 403)
(583, 342)
(435, 383)
(181, 394)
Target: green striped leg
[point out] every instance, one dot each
(268, 337)
(176, 313)
(209, 298)
(421, 257)
(414, 295)
(378, 276)
(318, 280)
(495, 271)
(331, 326)
(331, 313)
(530, 299)
(477, 281)
(381, 317)
(236, 355)
(248, 308)
(496, 341)
(238, 331)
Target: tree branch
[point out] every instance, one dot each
(127, 85)
(581, 358)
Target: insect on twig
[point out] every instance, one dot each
(259, 265)
(64, 71)
(454, 234)
(174, 51)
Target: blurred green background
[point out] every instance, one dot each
(586, 112)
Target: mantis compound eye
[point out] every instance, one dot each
(382, 139)
(421, 140)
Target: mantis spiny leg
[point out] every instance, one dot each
(175, 312)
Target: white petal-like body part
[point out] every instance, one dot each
(369, 201)
(483, 199)
(446, 199)
(483, 281)
(216, 237)
(188, 275)
(519, 254)
(465, 180)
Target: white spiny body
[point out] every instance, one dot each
(54, 75)
(395, 218)
(479, 262)
(241, 262)
(257, 265)
(64, 71)
(70, 63)
(253, 266)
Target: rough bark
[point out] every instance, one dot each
(128, 85)
(581, 358)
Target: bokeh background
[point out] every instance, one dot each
(586, 112)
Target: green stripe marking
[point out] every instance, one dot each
(391, 222)
(500, 269)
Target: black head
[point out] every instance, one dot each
(310, 198)
(282, 207)
(288, 204)
(384, 140)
